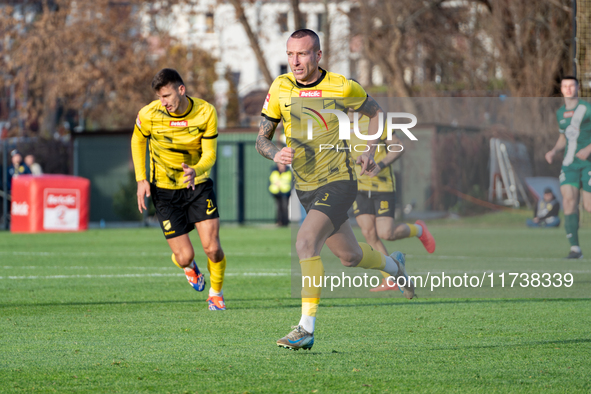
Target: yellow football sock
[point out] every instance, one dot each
(385, 274)
(310, 306)
(414, 230)
(216, 274)
(175, 263)
(312, 275)
(372, 259)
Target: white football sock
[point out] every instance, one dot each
(308, 322)
(575, 249)
(419, 230)
(391, 266)
(212, 293)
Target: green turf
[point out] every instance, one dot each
(106, 311)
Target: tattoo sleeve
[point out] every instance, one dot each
(264, 145)
(369, 108)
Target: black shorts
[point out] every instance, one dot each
(333, 199)
(380, 204)
(178, 210)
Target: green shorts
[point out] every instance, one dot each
(577, 177)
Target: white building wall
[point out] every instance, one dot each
(228, 41)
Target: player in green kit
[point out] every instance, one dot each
(574, 121)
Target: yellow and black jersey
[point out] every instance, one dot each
(189, 138)
(385, 180)
(326, 157)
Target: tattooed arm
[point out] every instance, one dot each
(267, 148)
(265, 145)
(370, 108)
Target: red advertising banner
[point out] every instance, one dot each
(49, 203)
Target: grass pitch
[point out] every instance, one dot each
(107, 311)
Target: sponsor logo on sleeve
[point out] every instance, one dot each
(266, 105)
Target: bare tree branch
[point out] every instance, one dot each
(254, 43)
(297, 15)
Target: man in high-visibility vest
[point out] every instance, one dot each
(280, 188)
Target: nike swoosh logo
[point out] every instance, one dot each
(288, 105)
(210, 211)
(319, 203)
(380, 211)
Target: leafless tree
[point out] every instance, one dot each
(532, 42)
(90, 58)
(253, 39)
(297, 15)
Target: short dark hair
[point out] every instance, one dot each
(166, 76)
(570, 77)
(307, 33)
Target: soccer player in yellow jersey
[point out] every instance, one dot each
(374, 206)
(182, 131)
(325, 181)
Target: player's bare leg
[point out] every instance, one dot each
(586, 196)
(312, 234)
(367, 223)
(183, 255)
(390, 231)
(570, 204)
(311, 237)
(209, 233)
(353, 254)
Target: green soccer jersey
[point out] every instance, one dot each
(575, 124)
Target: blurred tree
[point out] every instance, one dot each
(435, 45)
(411, 42)
(532, 41)
(91, 58)
(254, 41)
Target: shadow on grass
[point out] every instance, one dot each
(263, 303)
(517, 344)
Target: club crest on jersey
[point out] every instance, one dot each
(569, 114)
(311, 93)
(179, 123)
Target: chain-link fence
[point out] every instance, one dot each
(583, 45)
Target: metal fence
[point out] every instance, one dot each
(582, 10)
(240, 175)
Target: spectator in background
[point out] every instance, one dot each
(546, 211)
(280, 188)
(33, 166)
(16, 168)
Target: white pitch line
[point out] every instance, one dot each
(133, 276)
(143, 254)
(504, 258)
(108, 267)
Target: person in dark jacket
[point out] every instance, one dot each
(546, 211)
